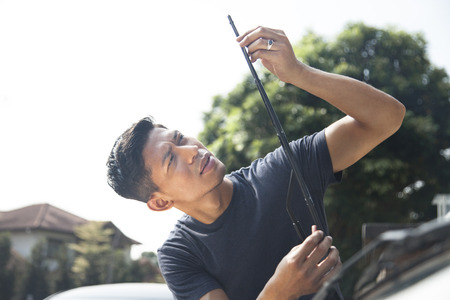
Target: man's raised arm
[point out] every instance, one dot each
(372, 115)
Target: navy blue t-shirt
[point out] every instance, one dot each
(240, 251)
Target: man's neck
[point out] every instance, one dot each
(210, 207)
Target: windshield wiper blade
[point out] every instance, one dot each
(288, 151)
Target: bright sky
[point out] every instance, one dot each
(75, 74)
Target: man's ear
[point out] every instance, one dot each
(156, 203)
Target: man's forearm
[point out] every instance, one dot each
(366, 104)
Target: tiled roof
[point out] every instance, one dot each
(40, 216)
(48, 217)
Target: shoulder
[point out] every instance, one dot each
(313, 143)
(179, 242)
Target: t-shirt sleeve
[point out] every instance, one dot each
(183, 273)
(313, 158)
(312, 152)
(269, 176)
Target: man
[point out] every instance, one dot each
(235, 241)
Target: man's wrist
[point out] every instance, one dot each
(271, 292)
(300, 75)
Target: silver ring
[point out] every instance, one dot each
(269, 44)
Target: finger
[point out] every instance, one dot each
(321, 250)
(261, 44)
(280, 50)
(277, 31)
(309, 244)
(313, 228)
(255, 34)
(331, 262)
(333, 271)
(263, 55)
(242, 36)
(258, 30)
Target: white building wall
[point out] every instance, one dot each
(23, 242)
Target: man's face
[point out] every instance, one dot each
(182, 168)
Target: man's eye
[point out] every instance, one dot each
(172, 157)
(180, 139)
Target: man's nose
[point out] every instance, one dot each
(188, 153)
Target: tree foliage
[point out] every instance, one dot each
(96, 261)
(396, 181)
(146, 269)
(93, 252)
(62, 277)
(36, 282)
(6, 276)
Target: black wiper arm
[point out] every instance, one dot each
(287, 150)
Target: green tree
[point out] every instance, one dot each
(6, 273)
(62, 277)
(149, 268)
(120, 268)
(145, 269)
(93, 252)
(36, 281)
(396, 181)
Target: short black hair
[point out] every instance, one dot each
(127, 173)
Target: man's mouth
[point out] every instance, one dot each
(206, 161)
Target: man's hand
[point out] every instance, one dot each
(279, 59)
(302, 271)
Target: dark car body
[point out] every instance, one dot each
(412, 263)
